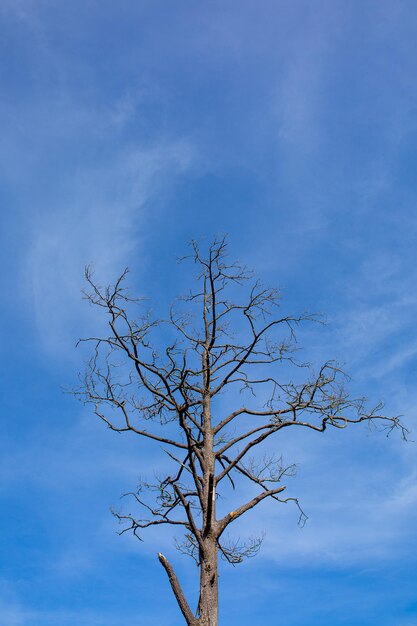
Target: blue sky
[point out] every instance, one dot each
(126, 130)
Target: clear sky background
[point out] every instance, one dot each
(129, 127)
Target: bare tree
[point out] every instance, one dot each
(179, 396)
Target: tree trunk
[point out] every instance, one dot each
(208, 606)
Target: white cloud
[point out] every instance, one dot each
(101, 224)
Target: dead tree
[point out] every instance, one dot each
(225, 336)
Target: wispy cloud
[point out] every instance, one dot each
(101, 226)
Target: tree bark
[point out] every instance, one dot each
(208, 606)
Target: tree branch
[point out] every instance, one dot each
(223, 523)
(178, 592)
